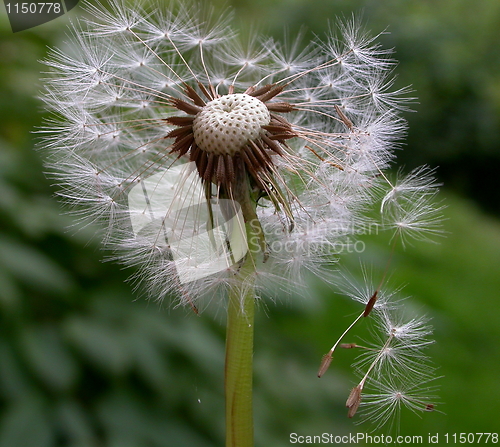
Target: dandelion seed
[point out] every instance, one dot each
(354, 400)
(398, 349)
(349, 345)
(410, 209)
(396, 355)
(391, 394)
(325, 364)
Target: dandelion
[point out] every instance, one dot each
(221, 168)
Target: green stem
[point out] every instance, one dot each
(239, 335)
(239, 366)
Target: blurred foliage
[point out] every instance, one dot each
(84, 363)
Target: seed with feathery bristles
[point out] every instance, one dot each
(353, 401)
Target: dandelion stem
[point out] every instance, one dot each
(239, 335)
(239, 365)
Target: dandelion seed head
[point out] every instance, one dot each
(144, 101)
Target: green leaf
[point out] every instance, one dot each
(100, 343)
(32, 267)
(49, 357)
(25, 424)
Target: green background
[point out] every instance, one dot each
(85, 362)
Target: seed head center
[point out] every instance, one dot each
(226, 124)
